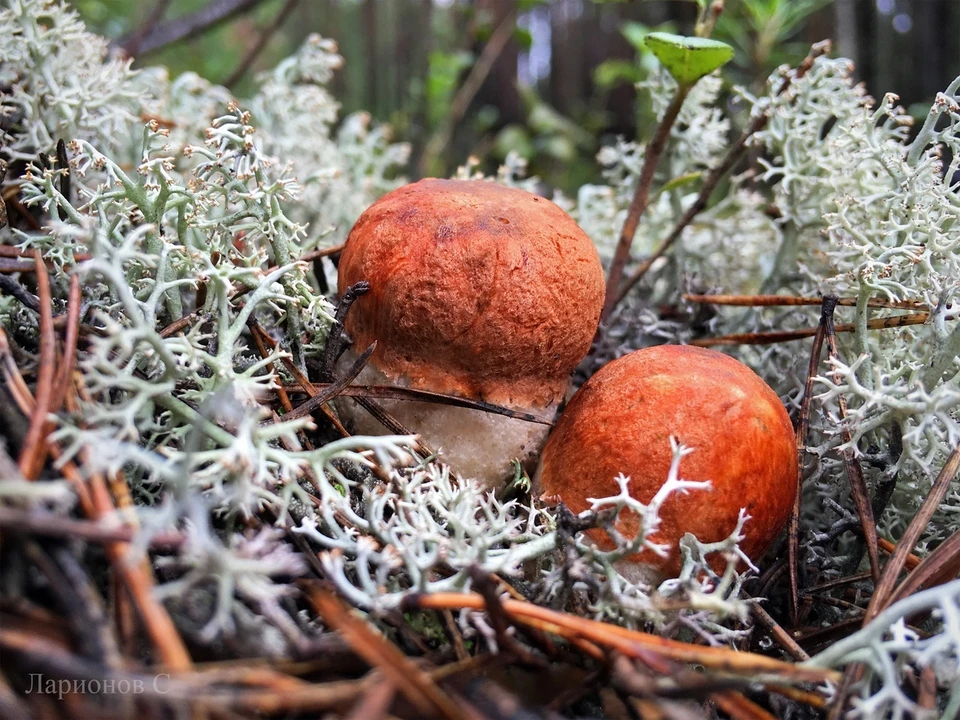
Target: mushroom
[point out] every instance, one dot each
(477, 290)
(621, 421)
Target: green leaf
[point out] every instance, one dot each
(680, 181)
(688, 58)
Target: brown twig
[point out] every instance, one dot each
(187, 26)
(132, 46)
(414, 683)
(51, 525)
(884, 591)
(10, 266)
(614, 293)
(891, 571)
(332, 389)
(778, 633)
(375, 702)
(34, 450)
(839, 582)
(69, 359)
(471, 86)
(259, 338)
(889, 548)
(322, 253)
(641, 197)
(803, 421)
(787, 300)
(456, 638)
(262, 39)
(631, 643)
(487, 587)
(179, 325)
(858, 485)
(391, 392)
(778, 336)
(937, 568)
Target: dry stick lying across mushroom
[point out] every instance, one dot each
(392, 392)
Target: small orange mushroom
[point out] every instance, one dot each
(476, 290)
(621, 421)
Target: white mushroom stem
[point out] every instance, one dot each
(476, 444)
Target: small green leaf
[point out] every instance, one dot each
(688, 58)
(680, 181)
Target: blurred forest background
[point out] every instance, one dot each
(550, 79)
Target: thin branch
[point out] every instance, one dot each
(940, 566)
(34, 450)
(891, 571)
(391, 392)
(782, 637)
(69, 360)
(858, 486)
(132, 46)
(614, 293)
(187, 26)
(778, 336)
(333, 389)
(641, 198)
(785, 300)
(883, 593)
(471, 86)
(803, 421)
(415, 684)
(632, 643)
(262, 39)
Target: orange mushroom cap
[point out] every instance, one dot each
(476, 289)
(621, 421)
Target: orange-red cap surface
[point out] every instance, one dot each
(477, 290)
(621, 421)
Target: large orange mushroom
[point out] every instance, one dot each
(477, 290)
(621, 422)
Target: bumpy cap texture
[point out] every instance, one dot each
(621, 421)
(477, 290)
